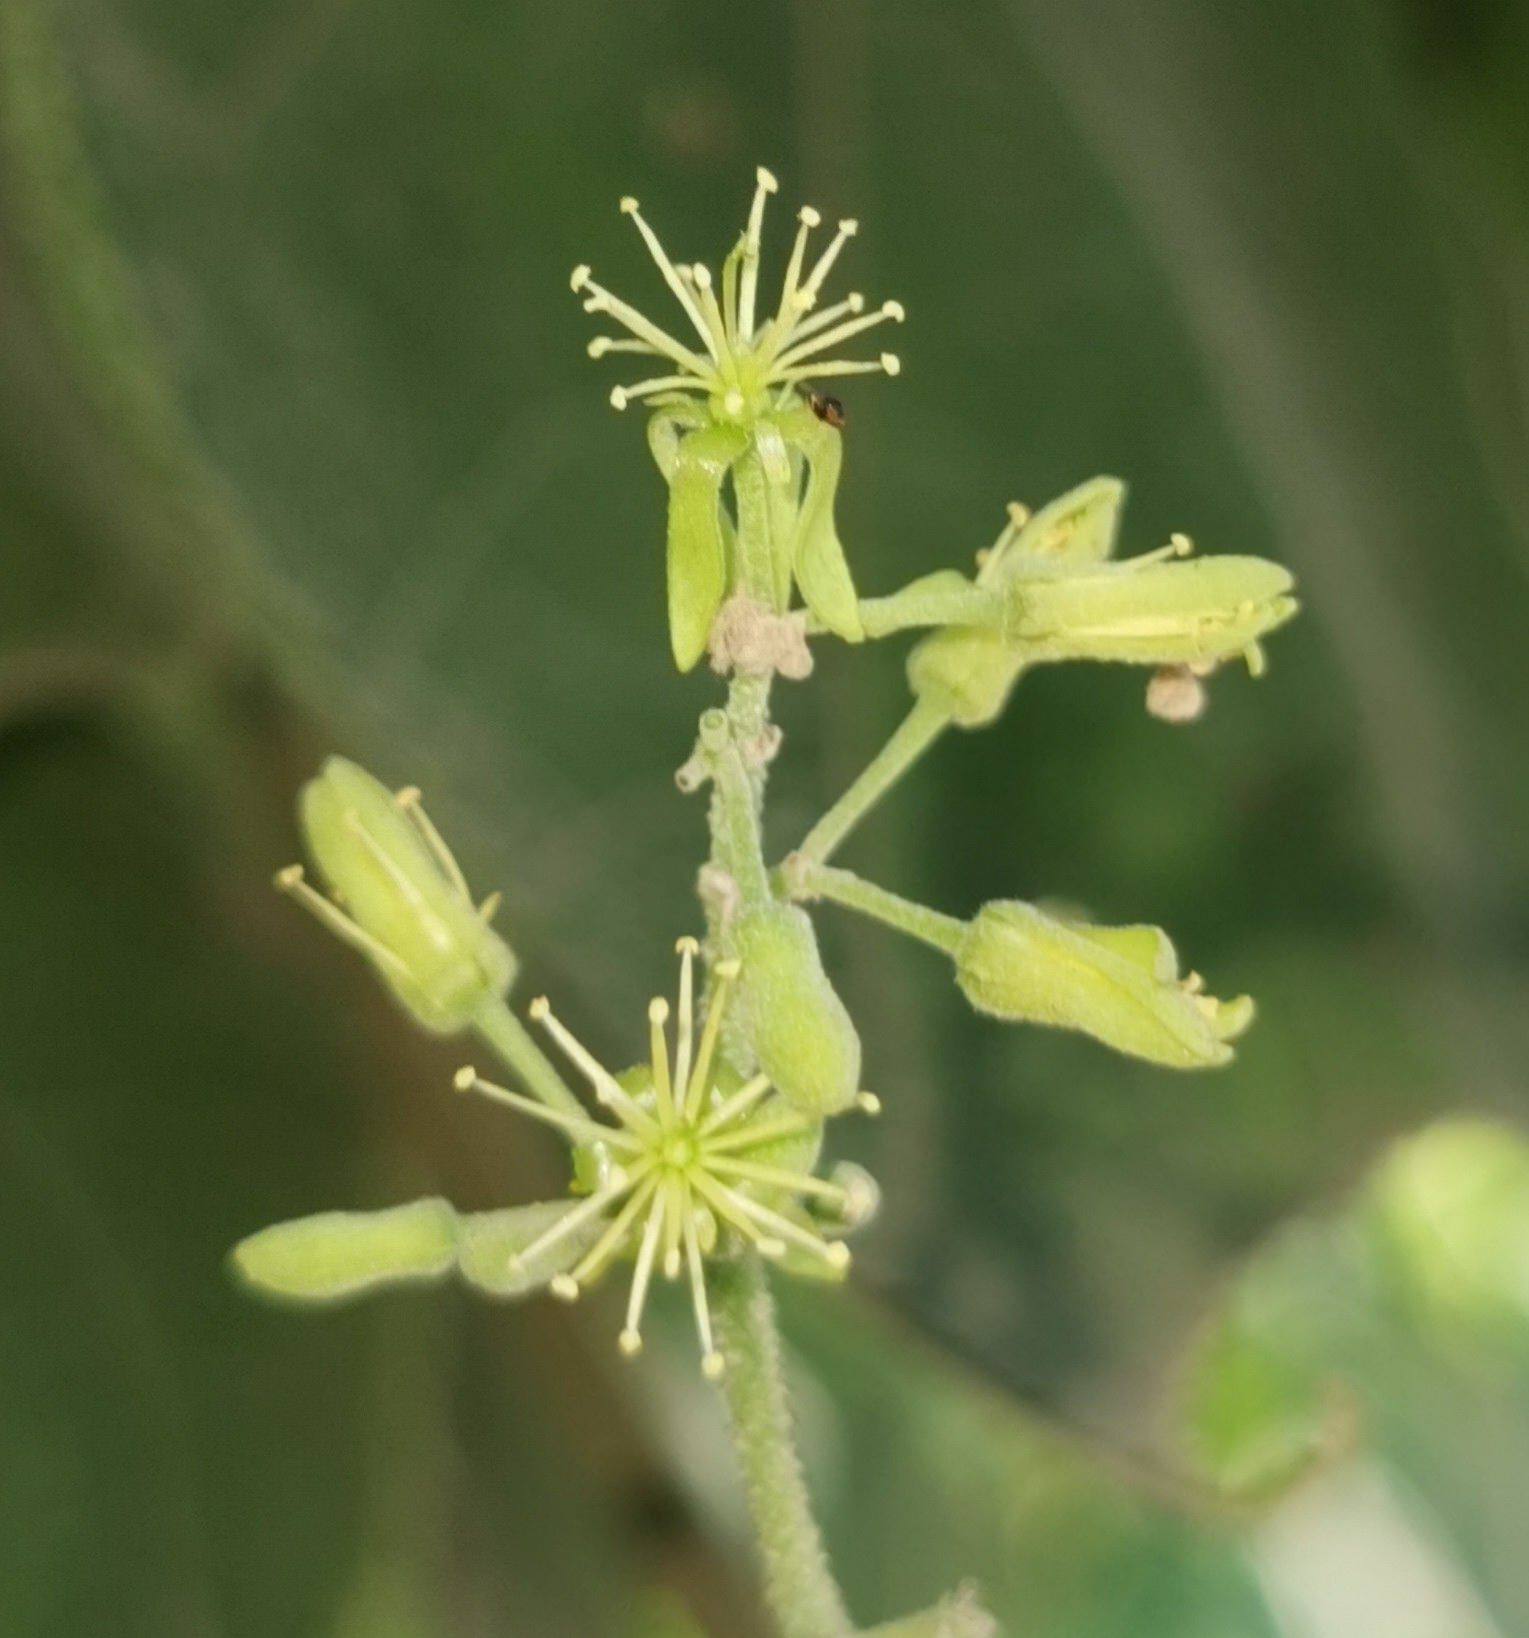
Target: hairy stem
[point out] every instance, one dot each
(916, 733)
(814, 881)
(801, 1593)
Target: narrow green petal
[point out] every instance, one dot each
(818, 560)
(697, 556)
(489, 1240)
(340, 1254)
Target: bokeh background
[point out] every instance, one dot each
(299, 450)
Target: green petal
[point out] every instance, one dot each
(697, 556)
(1076, 528)
(818, 561)
(343, 1253)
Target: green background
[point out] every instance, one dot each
(299, 450)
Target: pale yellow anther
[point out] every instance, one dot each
(618, 398)
(1019, 514)
(687, 946)
(564, 1287)
(729, 969)
(809, 217)
(288, 877)
(868, 1103)
(630, 1343)
(702, 276)
(658, 1011)
(891, 363)
(465, 1078)
(599, 347)
(408, 797)
(895, 311)
(766, 179)
(837, 1255)
(1181, 543)
(849, 227)
(539, 1009)
(713, 1366)
(580, 276)
(629, 206)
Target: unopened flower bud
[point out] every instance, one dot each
(796, 1023)
(1118, 984)
(398, 896)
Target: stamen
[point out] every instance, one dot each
(820, 320)
(725, 973)
(868, 1103)
(663, 1091)
(409, 800)
(596, 1259)
(721, 1197)
(712, 1363)
(622, 396)
(294, 883)
(891, 310)
(579, 1216)
(700, 276)
(490, 907)
(630, 1339)
(385, 861)
(744, 1098)
(781, 1178)
(607, 1088)
(467, 1079)
(669, 271)
(764, 185)
(749, 1137)
(834, 1253)
(887, 364)
(601, 345)
(685, 1029)
(807, 296)
(601, 300)
(674, 1206)
(807, 219)
(1182, 541)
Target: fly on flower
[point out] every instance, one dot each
(694, 1163)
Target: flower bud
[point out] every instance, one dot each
(1118, 984)
(968, 672)
(398, 896)
(795, 1021)
(1149, 611)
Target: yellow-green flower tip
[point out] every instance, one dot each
(397, 896)
(1119, 984)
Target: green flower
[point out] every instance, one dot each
(1055, 595)
(732, 402)
(398, 896)
(695, 1163)
(1118, 984)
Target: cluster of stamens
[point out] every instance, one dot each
(680, 1166)
(741, 354)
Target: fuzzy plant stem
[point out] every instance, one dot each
(801, 1592)
(917, 732)
(803, 1598)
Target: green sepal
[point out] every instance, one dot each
(818, 562)
(339, 1254)
(1076, 528)
(800, 1030)
(697, 553)
(1119, 984)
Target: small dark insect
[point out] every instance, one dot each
(826, 408)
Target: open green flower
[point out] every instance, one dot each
(399, 897)
(695, 1163)
(1119, 984)
(744, 355)
(733, 401)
